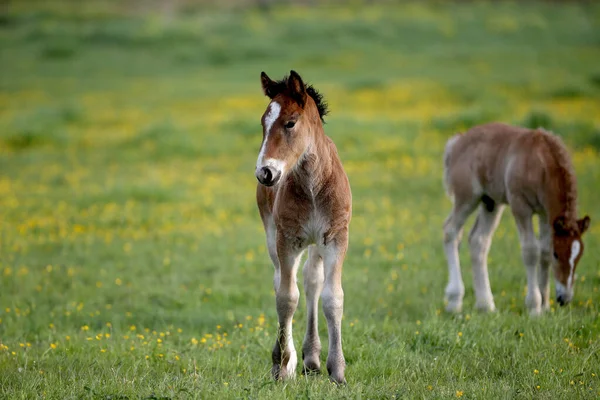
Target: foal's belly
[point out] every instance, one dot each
(495, 190)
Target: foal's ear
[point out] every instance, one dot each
(297, 88)
(584, 224)
(268, 85)
(560, 225)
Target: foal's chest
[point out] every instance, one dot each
(315, 228)
(304, 225)
(302, 216)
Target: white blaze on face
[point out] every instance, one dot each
(274, 110)
(575, 249)
(270, 118)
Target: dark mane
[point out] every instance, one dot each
(322, 106)
(559, 152)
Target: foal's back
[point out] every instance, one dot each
(496, 160)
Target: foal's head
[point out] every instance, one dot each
(293, 116)
(568, 249)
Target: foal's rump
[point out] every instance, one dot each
(447, 151)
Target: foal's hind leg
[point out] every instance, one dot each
(333, 305)
(313, 285)
(455, 290)
(480, 240)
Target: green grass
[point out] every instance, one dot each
(133, 262)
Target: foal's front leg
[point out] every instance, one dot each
(545, 262)
(530, 252)
(286, 299)
(333, 306)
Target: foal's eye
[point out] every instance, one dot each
(555, 256)
(290, 124)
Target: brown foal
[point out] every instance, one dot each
(304, 201)
(530, 170)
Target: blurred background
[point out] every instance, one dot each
(129, 132)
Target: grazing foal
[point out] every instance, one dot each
(304, 201)
(530, 170)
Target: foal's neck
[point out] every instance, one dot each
(561, 196)
(314, 167)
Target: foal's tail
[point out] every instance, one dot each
(447, 154)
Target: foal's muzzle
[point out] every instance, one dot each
(268, 176)
(564, 295)
(562, 300)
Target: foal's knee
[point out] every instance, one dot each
(531, 253)
(333, 301)
(287, 301)
(545, 257)
(451, 233)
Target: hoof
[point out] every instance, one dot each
(337, 376)
(535, 312)
(311, 370)
(338, 380)
(287, 371)
(486, 307)
(454, 307)
(311, 367)
(454, 300)
(275, 369)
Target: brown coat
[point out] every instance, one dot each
(304, 201)
(531, 171)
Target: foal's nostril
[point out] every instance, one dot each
(267, 174)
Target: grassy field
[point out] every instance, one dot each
(132, 257)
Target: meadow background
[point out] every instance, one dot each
(132, 257)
